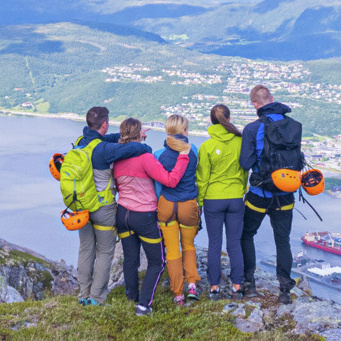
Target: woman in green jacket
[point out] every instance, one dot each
(221, 185)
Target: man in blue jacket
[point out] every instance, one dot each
(98, 237)
(260, 202)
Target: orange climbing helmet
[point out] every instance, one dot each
(313, 181)
(74, 220)
(55, 164)
(286, 180)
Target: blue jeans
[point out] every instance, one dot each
(217, 213)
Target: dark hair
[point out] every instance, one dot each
(220, 114)
(130, 130)
(96, 116)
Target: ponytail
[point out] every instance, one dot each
(220, 114)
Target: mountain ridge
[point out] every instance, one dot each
(238, 28)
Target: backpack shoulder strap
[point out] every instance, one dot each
(77, 141)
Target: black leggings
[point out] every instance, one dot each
(140, 228)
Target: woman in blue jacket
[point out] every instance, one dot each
(178, 212)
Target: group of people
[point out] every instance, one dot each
(160, 202)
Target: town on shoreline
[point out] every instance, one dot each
(322, 152)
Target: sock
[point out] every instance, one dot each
(192, 286)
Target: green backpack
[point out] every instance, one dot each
(77, 182)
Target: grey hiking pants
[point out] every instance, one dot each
(96, 252)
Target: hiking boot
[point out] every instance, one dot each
(284, 297)
(91, 301)
(250, 289)
(140, 310)
(179, 300)
(83, 301)
(214, 295)
(192, 293)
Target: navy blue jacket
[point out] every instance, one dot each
(186, 188)
(253, 141)
(108, 151)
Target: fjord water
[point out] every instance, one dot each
(30, 200)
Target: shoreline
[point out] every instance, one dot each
(76, 117)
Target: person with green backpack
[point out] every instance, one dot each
(89, 185)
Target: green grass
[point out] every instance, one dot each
(62, 318)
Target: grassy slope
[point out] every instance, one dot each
(62, 318)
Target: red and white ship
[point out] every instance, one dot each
(327, 241)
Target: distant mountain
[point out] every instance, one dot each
(269, 29)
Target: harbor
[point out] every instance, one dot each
(316, 270)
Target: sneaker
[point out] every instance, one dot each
(91, 301)
(250, 289)
(83, 301)
(284, 297)
(140, 310)
(179, 300)
(237, 294)
(214, 295)
(192, 293)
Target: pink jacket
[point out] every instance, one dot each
(134, 180)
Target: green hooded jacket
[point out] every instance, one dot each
(219, 174)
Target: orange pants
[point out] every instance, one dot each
(182, 227)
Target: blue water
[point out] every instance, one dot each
(30, 200)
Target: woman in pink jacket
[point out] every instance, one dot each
(136, 216)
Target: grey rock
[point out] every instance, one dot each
(230, 307)
(256, 317)
(32, 277)
(246, 326)
(8, 294)
(332, 334)
(257, 305)
(316, 315)
(239, 312)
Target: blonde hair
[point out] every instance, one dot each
(130, 130)
(261, 95)
(176, 124)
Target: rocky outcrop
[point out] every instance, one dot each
(306, 315)
(26, 274)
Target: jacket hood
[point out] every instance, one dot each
(273, 108)
(90, 135)
(219, 133)
(177, 136)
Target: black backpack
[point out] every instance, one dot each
(282, 149)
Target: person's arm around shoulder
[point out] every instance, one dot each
(194, 149)
(248, 153)
(112, 138)
(155, 170)
(115, 151)
(158, 185)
